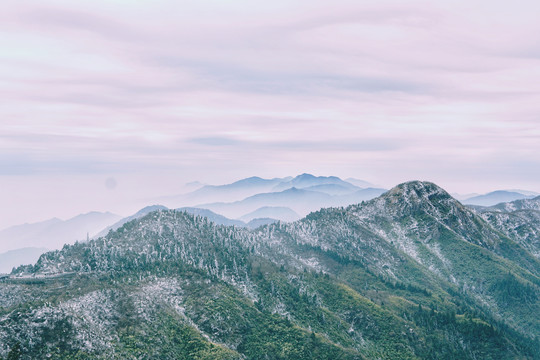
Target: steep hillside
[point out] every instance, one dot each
(139, 214)
(521, 225)
(520, 220)
(524, 204)
(449, 241)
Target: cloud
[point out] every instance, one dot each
(215, 141)
(69, 19)
(285, 82)
(354, 145)
(383, 90)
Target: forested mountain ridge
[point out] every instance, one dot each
(518, 219)
(523, 204)
(442, 237)
(411, 274)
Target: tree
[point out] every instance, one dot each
(15, 353)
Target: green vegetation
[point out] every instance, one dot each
(402, 280)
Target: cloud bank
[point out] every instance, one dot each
(180, 90)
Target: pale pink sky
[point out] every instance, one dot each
(158, 93)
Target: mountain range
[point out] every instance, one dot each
(31, 239)
(14, 258)
(301, 201)
(518, 219)
(249, 202)
(499, 196)
(272, 212)
(229, 192)
(252, 186)
(54, 233)
(410, 274)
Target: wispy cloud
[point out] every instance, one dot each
(383, 90)
(102, 24)
(216, 141)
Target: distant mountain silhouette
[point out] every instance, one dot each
(14, 258)
(495, 197)
(54, 233)
(273, 212)
(244, 188)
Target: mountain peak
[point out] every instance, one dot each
(304, 176)
(418, 190)
(294, 189)
(250, 179)
(416, 195)
(428, 213)
(150, 208)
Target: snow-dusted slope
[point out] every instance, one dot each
(392, 278)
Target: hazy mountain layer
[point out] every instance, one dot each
(305, 181)
(54, 233)
(14, 258)
(301, 201)
(252, 186)
(495, 197)
(274, 212)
